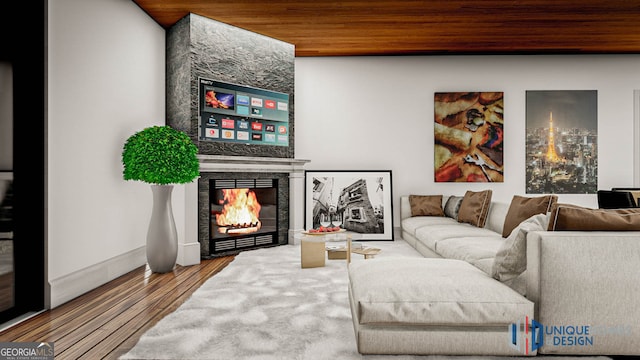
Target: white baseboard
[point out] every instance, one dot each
(188, 254)
(292, 240)
(75, 284)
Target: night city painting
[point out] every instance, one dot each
(562, 142)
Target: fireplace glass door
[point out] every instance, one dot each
(243, 214)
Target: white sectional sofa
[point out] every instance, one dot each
(444, 236)
(578, 290)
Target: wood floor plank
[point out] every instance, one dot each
(108, 321)
(154, 302)
(50, 320)
(147, 305)
(98, 302)
(121, 334)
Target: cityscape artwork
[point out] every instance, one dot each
(356, 201)
(562, 142)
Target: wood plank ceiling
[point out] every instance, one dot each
(406, 27)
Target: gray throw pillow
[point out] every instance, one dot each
(452, 206)
(511, 258)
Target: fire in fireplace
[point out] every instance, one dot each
(240, 212)
(244, 214)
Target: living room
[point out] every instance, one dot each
(106, 80)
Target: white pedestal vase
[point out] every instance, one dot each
(162, 237)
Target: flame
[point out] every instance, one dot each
(241, 207)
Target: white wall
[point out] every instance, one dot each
(106, 81)
(376, 113)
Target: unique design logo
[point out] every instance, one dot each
(526, 338)
(531, 337)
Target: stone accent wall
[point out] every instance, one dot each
(201, 47)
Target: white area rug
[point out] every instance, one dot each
(265, 306)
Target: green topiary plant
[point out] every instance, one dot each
(160, 155)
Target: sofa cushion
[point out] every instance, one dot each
(411, 224)
(474, 207)
(511, 259)
(440, 292)
(471, 249)
(430, 236)
(452, 206)
(575, 218)
(484, 264)
(426, 205)
(522, 208)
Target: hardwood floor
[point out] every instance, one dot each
(107, 322)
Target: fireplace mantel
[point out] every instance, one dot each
(189, 247)
(222, 163)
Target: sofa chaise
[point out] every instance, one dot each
(523, 278)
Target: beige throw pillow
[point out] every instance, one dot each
(511, 258)
(474, 207)
(426, 205)
(522, 208)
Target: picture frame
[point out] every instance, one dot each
(561, 142)
(357, 201)
(469, 136)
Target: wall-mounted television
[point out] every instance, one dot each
(242, 114)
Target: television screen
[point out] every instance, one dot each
(242, 114)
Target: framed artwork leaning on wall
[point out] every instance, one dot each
(357, 201)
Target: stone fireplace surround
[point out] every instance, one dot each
(201, 47)
(227, 167)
